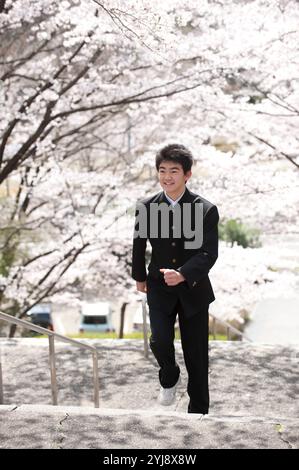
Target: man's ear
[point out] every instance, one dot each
(188, 175)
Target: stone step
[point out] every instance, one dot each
(245, 378)
(63, 427)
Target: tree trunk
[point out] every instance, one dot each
(12, 331)
(122, 319)
(2, 5)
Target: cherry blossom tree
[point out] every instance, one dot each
(91, 89)
(64, 91)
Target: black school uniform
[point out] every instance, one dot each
(189, 299)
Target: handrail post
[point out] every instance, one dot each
(95, 379)
(51, 336)
(228, 333)
(214, 328)
(1, 380)
(144, 324)
(53, 370)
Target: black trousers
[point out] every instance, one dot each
(194, 339)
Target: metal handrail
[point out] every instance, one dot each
(229, 328)
(144, 326)
(51, 336)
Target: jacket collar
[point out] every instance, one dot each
(187, 197)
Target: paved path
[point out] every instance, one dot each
(275, 321)
(254, 398)
(49, 427)
(243, 376)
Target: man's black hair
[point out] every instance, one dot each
(175, 153)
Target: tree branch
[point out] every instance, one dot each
(22, 61)
(20, 156)
(138, 98)
(27, 103)
(2, 6)
(274, 148)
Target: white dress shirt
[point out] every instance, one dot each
(173, 202)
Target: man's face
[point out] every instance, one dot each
(172, 177)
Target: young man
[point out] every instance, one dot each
(182, 230)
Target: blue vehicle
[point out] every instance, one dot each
(41, 315)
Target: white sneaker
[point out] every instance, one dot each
(167, 395)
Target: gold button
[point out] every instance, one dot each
(174, 260)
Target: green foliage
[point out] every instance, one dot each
(13, 244)
(255, 99)
(7, 257)
(133, 335)
(234, 231)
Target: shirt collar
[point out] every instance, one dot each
(173, 202)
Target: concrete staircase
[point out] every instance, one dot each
(254, 398)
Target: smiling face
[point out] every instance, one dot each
(172, 178)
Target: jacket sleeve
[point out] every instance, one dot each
(138, 254)
(199, 265)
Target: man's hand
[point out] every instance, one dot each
(172, 277)
(141, 286)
